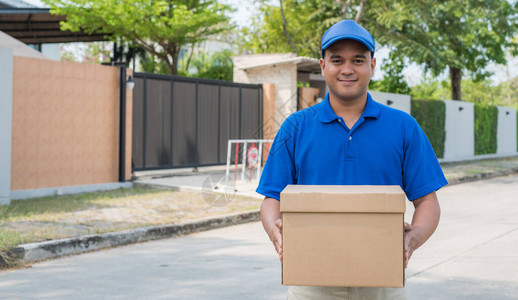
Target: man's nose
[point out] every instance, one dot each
(347, 68)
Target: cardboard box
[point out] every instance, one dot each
(338, 235)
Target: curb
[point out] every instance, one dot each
(481, 176)
(57, 248)
(184, 188)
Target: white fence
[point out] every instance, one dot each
(243, 155)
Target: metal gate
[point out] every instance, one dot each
(186, 122)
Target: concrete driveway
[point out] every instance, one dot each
(473, 255)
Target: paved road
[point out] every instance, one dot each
(473, 255)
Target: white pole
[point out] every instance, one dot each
(244, 162)
(229, 153)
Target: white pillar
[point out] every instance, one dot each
(6, 114)
(506, 131)
(397, 101)
(459, 142)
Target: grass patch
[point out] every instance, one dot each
(56, 217)
(47, 208)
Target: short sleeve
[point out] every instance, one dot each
(422, 173)
(280, 170)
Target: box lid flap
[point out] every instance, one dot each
(343, 198)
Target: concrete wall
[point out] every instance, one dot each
(506, 131)
(284, 76)
(398, 101)
(52, 51)
(460, 131)
(65, 124)
(19, 48)
(6, 105)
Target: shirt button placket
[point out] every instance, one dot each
(348, 153)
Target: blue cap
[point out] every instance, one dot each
(347, 29)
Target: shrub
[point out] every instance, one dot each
(486, 120)
(431, 115)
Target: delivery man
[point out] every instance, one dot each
(349, 139)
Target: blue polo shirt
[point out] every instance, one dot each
(386, 146)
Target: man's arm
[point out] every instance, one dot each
(272, 223)
(424, 222)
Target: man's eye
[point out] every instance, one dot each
(358, 61)
(336, 61)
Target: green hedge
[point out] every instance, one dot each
(486, 120)
(431, 115)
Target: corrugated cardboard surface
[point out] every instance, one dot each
(65, 124)
(343, 248)
(343, 198)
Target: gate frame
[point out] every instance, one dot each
(196, 81)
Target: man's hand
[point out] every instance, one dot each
(275, 234)
(410, 243)
(272, 223)
(424, 222)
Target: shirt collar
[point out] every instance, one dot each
(327, 115)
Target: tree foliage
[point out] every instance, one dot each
(481, 92)
(218, 65)
(90, 53)
(159, 27)
(393, 81)
(440, 35)
(445, 35)
(266, 34)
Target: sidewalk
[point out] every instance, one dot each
(472, 255)
(187, 180)
(210, 181)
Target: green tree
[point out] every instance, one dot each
(393, 80)
(97, 52)
(266, 33)
(480, 92)
(66, 54)
(160, 27)
(430, 89)
(441, 35)
(507, 92)
(446, 35)
(219, 66)
(149, 64)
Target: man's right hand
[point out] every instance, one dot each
(272, 223)
(275, 234)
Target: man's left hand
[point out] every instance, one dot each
(410, 242)
(424, 222)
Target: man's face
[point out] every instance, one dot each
(347, 67)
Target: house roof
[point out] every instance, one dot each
(19, 48)
(14, 4)
(304, 64)
(34, 25)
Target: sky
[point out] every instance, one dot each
(35, 2)
(245, 10)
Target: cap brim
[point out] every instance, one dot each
(347, 37)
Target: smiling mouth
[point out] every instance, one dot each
(347, 81)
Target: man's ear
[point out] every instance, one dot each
(373, 65)
(322, 66)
